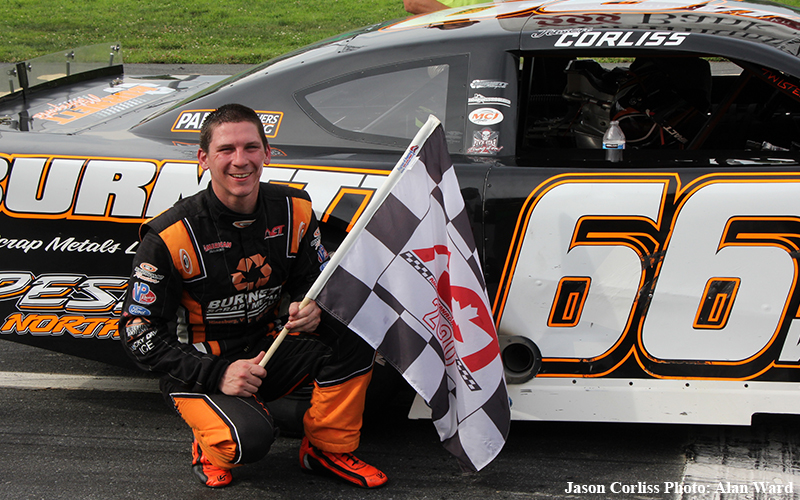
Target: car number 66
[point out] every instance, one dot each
(692, 281)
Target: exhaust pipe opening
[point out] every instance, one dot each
(522, 359)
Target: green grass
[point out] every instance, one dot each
(185, 31)
(182, 31)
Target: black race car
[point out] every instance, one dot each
(661, 286)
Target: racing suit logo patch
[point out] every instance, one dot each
(251, 272)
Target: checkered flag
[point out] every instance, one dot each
(415, 291)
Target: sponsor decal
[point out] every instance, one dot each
(251, 272)
(485, 142)
(57, 244)
(271, 120)
(592, 38)
(79, 188)
(718, 19)
(143, 345)
(143, 274)
(479, 100)
(779, 81)
(557, 32)
(248, 305)
(274, 232)
(485, 116)
(150, 268)
(316, 241)
(20, 244)
(322, 254)
(53, 325)
(55, 304)
(73, 293)
(218, 246)
(277, 153)
(412, 152)
(136, 328)
(192, 121)
(121, 98)
(142, 294)
(70, 245)
(487, 84)
(138, 310)
(186, 261)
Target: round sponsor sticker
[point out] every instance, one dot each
(138, 310)
(485, 116)
(186, 262)
(150, 268)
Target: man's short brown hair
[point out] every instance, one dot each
(229, 113)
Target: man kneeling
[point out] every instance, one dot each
(202, 309)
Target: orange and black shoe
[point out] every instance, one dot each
(344, 466)
(208, 473)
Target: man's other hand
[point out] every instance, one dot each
(305, 319)
(243, 377)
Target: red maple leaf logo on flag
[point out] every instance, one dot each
(470, 313)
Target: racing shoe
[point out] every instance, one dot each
(208, 473)
(344, 466)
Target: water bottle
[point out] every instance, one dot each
(614, 142)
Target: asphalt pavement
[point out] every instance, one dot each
(70, 440)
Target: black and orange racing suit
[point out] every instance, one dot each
(205, 290)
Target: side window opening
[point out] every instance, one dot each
(673, 103)
(387, 105)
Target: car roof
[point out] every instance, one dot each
(765, 22)
(757, 33)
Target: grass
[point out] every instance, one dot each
(182, 31)
(185, 31)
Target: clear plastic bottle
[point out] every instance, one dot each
(614, 142)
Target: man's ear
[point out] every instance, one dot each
(202, 158)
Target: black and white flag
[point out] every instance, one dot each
(410, 283)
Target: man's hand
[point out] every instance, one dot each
(243, 377)
(305, 319)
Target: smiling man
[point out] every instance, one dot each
(203, 306)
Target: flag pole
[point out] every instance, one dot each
(377, 200)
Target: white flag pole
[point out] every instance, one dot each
(377, 200)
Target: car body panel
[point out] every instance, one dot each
(662, 288)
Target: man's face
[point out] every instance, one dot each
(235, 159)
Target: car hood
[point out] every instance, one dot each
(105, 106)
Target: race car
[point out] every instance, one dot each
(659, 287)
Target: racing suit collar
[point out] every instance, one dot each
(219, 212)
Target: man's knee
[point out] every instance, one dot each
(231, 430)
(256, 434)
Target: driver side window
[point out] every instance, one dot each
(394, 102)
(675, 103)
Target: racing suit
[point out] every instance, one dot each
(206, 289)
